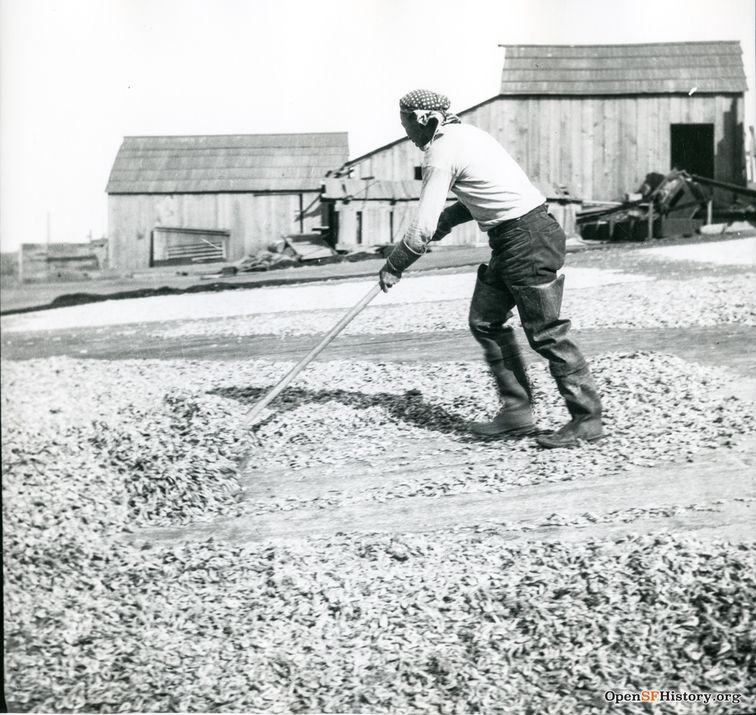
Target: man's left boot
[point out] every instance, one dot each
(584, 405)
(515, 418)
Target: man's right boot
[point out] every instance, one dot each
(548, 334)
(584, 405)
(515, 418)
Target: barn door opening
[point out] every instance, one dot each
(692, 148)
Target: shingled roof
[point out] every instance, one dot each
(224, 163)
(623, 69)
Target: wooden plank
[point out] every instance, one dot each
(652, 129)
(555, 174)
(662, 148)
(630, 174)
(701, 110)
(522, 137)
(347, 224)
(567, 142)
(404, 213)
(574, 129)
(600, 164)
(129, 232)
(495, 118)
(599, 126)
(587, 148)
(532, 137)
(511, 138)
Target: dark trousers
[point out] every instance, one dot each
(526, 254)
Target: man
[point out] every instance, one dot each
(528, 248)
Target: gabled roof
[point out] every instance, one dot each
(223, 163)
(623, 69)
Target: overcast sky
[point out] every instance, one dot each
(76, 76)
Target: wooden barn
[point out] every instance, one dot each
(191, 199)
(593, 121)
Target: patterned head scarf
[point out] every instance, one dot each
(425, 105)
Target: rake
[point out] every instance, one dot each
(254, 413)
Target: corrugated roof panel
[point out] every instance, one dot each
(623, 69)
(217, 163)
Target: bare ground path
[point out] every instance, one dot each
(722, 345)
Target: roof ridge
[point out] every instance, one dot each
(633, 68)
(624, 44)
(247, 134)
(226, 162)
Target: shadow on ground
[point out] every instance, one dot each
(409, 407)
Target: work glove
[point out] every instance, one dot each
(388, 277)
(401, 258)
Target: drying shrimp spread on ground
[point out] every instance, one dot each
(372, 555)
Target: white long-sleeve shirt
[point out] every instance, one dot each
(479, 172)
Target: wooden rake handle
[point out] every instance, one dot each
(287, 380)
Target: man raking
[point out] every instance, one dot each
(527, 250)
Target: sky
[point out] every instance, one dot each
(76, 76)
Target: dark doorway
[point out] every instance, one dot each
(692, 148)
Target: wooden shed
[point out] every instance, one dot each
(594, 120)
(192, 199)
(366, 211)
(370, 212)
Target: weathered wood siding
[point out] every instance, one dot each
(52, 261)
(599, 147)
(384, 222)
(253, 220)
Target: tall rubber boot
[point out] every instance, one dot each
(490, 309)
(584, 405)
(548, 334)
(515, 418)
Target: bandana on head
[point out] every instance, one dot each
(424, 103)
(424, 99)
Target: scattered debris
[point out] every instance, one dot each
(663, 206)
(678, 204)
(294, 251)
(278, 254)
